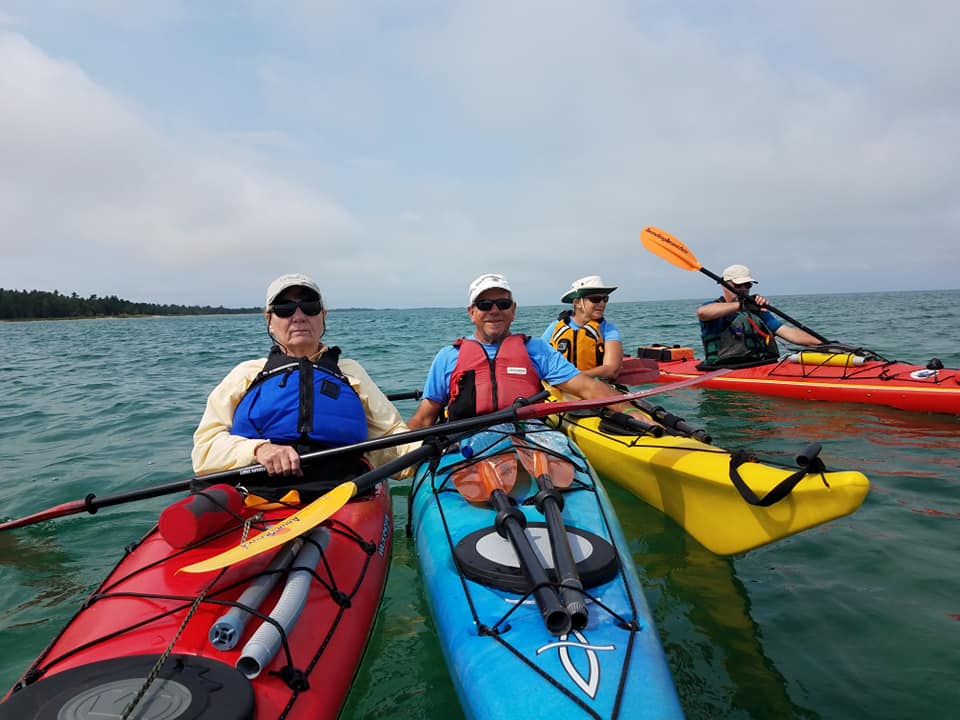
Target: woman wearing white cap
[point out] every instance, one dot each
(301, 398)
(584, 336)
(737, 330)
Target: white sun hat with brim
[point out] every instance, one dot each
(587, 286)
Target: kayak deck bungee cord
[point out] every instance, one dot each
(831, 373)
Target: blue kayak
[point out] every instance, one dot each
(531, 634)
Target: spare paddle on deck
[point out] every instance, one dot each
(489, 480)
(550, 476)
(673, 422)
(313, 514)
(665, 245)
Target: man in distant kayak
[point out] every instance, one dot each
(736, 329)
(584, 336)
(490, 370)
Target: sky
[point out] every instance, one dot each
(189, 152)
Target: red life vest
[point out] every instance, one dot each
(480, 384)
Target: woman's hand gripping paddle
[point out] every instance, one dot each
(313, 514)
(489, 480)
(553, 473)
(665, 245)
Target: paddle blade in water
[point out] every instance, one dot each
(662, 243)
(291, 527)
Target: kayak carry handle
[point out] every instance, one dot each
(808, 455)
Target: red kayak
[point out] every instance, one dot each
(839, 374)
(279, 635)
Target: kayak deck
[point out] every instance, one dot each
(146, 609)
(503, 660)
(880, 382)
(691, 482)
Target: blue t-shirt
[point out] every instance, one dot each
(550, 365)
(607, 329)
(717, 326)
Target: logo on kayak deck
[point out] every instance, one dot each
(384, 534)
(591, 683)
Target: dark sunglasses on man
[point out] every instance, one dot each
(501, 303)
(596, 299)
(287, 308)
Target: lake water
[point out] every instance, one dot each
(857, 618)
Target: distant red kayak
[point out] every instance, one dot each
(840, 376)
(220, 665)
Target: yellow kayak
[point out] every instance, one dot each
(693, 483)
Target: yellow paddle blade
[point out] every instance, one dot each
(293, 526)
(662, 243)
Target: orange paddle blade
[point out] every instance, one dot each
(477, 482)
(539, 463)
(662, 243)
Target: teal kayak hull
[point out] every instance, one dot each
(503, 660)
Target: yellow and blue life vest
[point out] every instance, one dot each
(581, 346)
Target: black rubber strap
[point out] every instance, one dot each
(781, 490)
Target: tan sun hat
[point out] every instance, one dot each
(587, 286)
(738, 274)
(288, 281)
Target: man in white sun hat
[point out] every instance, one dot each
(492, 368)
(583, 334)
(737, 329)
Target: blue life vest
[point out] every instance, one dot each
(294, 401)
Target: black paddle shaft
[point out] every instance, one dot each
(769, 307)
(510, 523)
(550, 503)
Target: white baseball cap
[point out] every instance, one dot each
(487, 282)
(288, 281)
(738, 274)
(587, 286)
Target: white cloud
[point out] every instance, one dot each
(397, 152)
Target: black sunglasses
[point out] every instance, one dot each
(289, 307)
(501, 303)
(743, 286)
(597, 298)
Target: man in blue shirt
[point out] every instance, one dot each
(510, 366)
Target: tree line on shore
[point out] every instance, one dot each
(40, 304)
